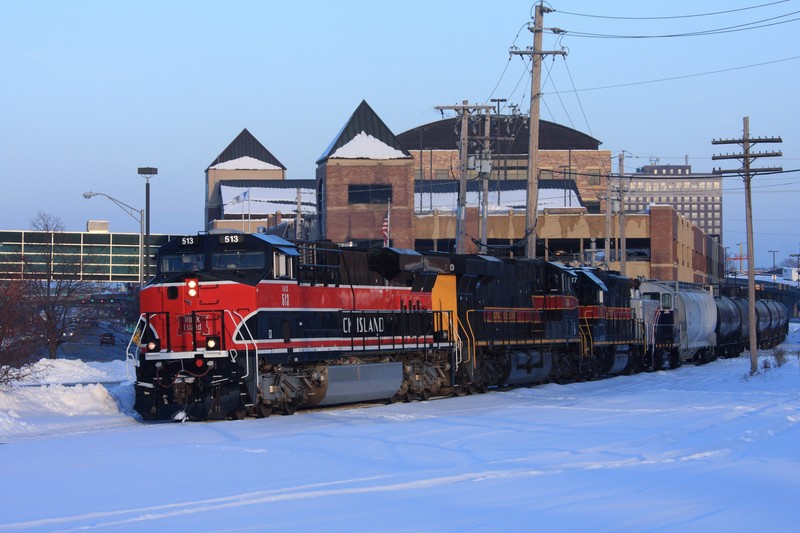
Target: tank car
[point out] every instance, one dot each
(729, 329)
(694, 316)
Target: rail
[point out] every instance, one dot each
(245, 341)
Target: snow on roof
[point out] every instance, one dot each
(365, 146)
(245, 163)
(259, 201)
(499, 201)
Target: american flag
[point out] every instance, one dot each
(385, 229)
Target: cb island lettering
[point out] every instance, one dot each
(363, 324)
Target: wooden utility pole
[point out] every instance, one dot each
(535, 53)
(485, 171)
(463, 149)
(623, 248)
(607, 249)
(747, 172)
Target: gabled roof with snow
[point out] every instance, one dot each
(246, 153)
(365, 136)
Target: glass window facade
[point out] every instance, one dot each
(101, 257)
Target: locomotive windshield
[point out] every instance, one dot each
(237, 260)
(186, 262)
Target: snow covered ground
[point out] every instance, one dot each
(696, 449)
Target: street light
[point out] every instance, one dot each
(147, 172)
(137, 215)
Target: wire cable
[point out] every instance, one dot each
(672, 17)
(729, 29)
(659, 80)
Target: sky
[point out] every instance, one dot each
(92, 90)
(696, 449)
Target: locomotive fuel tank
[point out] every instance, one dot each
(528, 366)
(340, 384)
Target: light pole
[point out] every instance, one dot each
(773, 252)
(147, 172)
(137, 215)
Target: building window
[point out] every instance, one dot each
(594, 177)
(369, 194)
(545, 174)
(441, 174)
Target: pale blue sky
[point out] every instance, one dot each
(91, 90)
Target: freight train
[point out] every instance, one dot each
(236, 325)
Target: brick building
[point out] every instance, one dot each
(368, 179)
(363, 176)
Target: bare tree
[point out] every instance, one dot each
(53, 281)
(16, 342)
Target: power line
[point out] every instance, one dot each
(670, 17)
(728, 29)
(686, 75)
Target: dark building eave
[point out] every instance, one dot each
(509, 134)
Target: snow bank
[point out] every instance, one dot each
(68, 371)
(65, 395)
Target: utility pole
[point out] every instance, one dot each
(622, 245)
(747, 172)
(535, 53)
(485, 171)
(607, 249)
(464, 110)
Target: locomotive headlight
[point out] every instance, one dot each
(192, 287)
(212, 343)
(153, 346)
(211, 364)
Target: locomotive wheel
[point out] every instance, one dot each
(425, 395)
(409, 396)
(263, 410)
(289, 408)
(239, 413)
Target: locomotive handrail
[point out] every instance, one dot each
(471, 342)
(134, 340)
(585, 333)
(244, 341)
